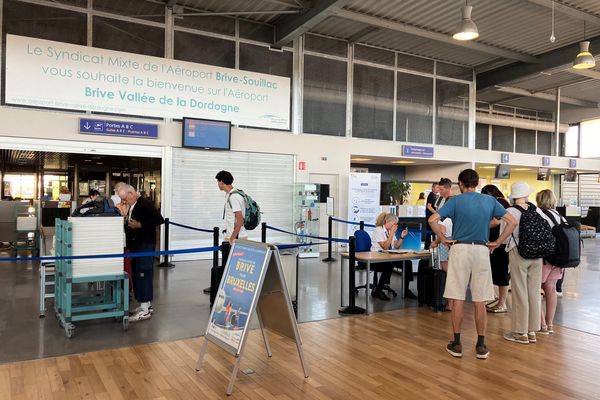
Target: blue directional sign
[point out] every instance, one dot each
(545, 161)
(572, 163)
(117, 128)
(505, 158)
(417, 151)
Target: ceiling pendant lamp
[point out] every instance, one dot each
(584, 59)
(467, 30)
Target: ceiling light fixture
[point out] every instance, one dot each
(467, 30)
(584, 59)
(552, 37)
(404, 162)
(360, 159)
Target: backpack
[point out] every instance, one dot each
(99, 207)
(252, 212)
(535, 235)
(568, 239)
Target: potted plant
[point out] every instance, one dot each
(398, 190)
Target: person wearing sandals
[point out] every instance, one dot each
(384, 238)
(546, 200)
(525, 276)
(498, 258)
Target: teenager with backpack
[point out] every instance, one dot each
(567, 254)
(531, 240)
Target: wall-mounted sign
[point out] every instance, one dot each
(505, 158)
(117, 128)
(43, 73)
(545, 161)
(572, 163)
(417, 151)
(301, 165)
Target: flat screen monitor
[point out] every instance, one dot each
(412, 241)
(570, 175)
(206, 134)
(502, 171)
(543, 174)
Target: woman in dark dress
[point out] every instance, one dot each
(499, 258)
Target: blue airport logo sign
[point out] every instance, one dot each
(572, 163)
(545, 161)
(117, 128)
(505, 157)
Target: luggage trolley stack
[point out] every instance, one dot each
(89, 236)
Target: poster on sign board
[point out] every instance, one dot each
(363, 199)
(237, 295)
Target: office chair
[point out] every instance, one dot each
(363, 243)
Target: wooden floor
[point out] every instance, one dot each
(392, 355)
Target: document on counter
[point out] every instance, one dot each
(399, 251)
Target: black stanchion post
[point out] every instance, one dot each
(351, 309)
(217, 273)
(215, 255)
(295, 302)
(263, 233)
(166, 263)
(362, 225)
(329, 242)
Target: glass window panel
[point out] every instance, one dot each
(570, 142)
(136, 9)
(126, 36)
(258, 32)
(261, 59)
(326, 45)
(372, 112)
(454, 71)
(415, 63)
(204, 49)
(544, 143)
(482, 136)
(213, 24)
(414, 108)
(374, 55)
(452, 108)
(324, 96)
(44, 22)
(525, 141)
(503, 138)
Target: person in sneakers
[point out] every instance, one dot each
(546, 200)
(525, 275)
(498, 258)
(469, 260)
(141, 220)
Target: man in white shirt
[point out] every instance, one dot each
(234, 209)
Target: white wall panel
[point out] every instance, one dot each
(197, 201)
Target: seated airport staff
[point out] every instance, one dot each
(384, 238)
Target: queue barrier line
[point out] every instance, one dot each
(189, 227)
(116, 255)
(308, 236)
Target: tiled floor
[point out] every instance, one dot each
(182, 309)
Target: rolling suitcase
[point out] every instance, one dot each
(431, 282)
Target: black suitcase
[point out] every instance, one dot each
(431, 282)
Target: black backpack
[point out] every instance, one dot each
(535, 235)
(568, 240)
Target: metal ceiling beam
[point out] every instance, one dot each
(547, 96)
(289, 28)
(362, 33)
(440, 37)
(568, 10)
(517, 71)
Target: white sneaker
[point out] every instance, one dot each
(559, 294)
(140, 316)
(139, 308)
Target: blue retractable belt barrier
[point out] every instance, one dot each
(351, 222)
(119, 255)
(309, 236)
(190, 227)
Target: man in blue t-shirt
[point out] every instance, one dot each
(471, 214)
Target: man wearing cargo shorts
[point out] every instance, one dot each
(471, 213)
